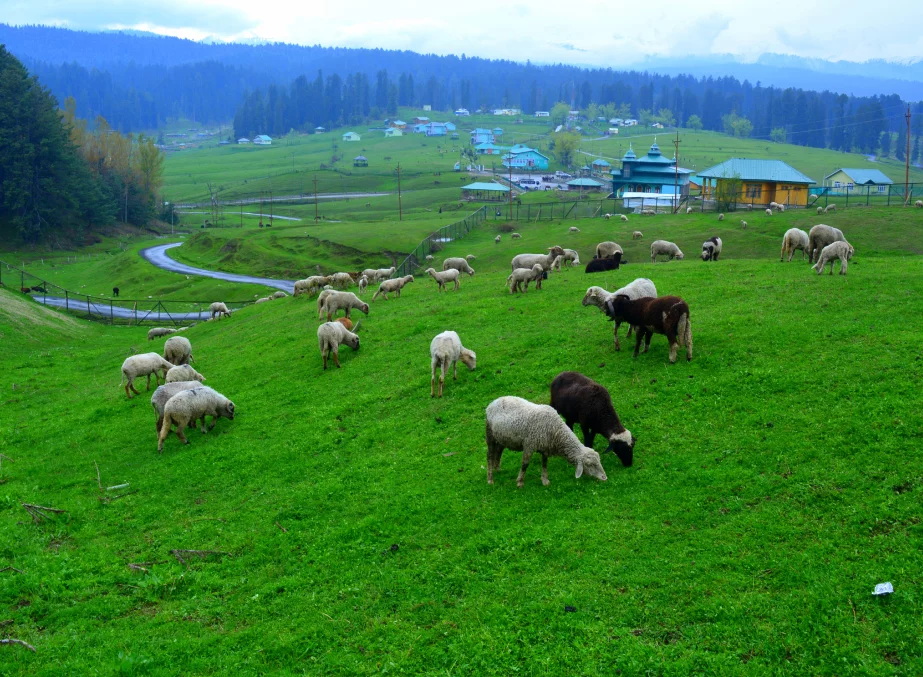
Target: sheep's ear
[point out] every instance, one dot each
(356, 328)
(579, 469)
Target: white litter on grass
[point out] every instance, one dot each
(883, 589)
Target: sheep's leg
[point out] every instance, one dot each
(842, 267)
(615, 334)
(673, 346)
(588, 436)
(456, 284)
(526, 457)
(180, 427)
(545, 481)
(443, 367)
(455, 371)
(155, 373)
(432, 380)
(214, 421)
(323, 354)
(639, 336)
(164, 431)
(647, 340)
(159, 424)
(336, 356)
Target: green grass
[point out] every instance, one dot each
(776, 481)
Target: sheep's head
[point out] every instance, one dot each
(227, 409)
(679, 255)
(352, 341)
(470, 271)
(198, 377)
(468, 358)
(593, 295)
(364, 308)
(430, 271)
(555, 251)
(471, 257)
(623, 445)
(408, 279)
(849, 252)
(590, 463)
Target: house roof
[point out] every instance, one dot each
(421, 118)
(487, 146)
(756, 170)
(585, 183)
(601, 163)
(263, 137)
(398, 122)
(360, 157)
(863, 177)
(350, 134)
(486, 187)
(524, 149)
(481, 130)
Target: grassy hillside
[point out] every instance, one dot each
(774, 484)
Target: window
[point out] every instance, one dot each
(836, 184)
(754, 191)
(850, 186)
(626, 172)
(882, 189)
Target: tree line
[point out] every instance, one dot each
(59, 176)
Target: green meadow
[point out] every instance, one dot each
(343, 518)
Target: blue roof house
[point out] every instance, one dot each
(481, 136)
(521, 157)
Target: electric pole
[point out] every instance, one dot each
(676, 174)
(509, 161)
(315, 199)
(907, 162)
(400, 207)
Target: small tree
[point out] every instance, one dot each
(559, 113)
(645, 117)
(565, 145)
(778, 135)
(736, 125)
(885, 144)
(666, 118)
(694, 122)
(727, 193)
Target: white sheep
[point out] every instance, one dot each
(820, 236)
(330, 336)
(309, 285)
(768, 212)
(527, 275)
(163, 394)
(782, 208)
(623, 218)
(529, 260)
(830, 208)
(820, 210)
(429, 257)
(607, 216)
(470, 257)
(794, 238)
(264, 299)
(597, 296)
(515, 236)
(183, 372)
(278, 295)
(648, 212)
(669, 249)
(605, 250)
(363, 283)
(571, 258)
(497, 240)
(219, 309)
(143, 365)
(573, 229)
(378, 274)
(189, 406)
(178, 350)
(446, 350)
(340, 300)
(157, 332)
(637, 235)
(519, 425)
(918, 203)
(556, 264)
(841, 250)
(341, 280)
(444, 277)
(394, 285)
(721, 217)
(743, 224)
(459, 264)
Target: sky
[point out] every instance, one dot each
(592, 32)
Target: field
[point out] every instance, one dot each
(775, 482)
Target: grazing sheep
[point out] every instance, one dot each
(529, 260)
(602, 265)
(582, 400)
(515, 236)
(573, 229)
(820, 210)
(668, 315)
(157, 332)
(443, 277)
(144, 364)
(918, 203)
(607, 216)
(188, 406)
(820, 236)
(394, 285)
(264, 299)
(115, 291)
(446, 350)
(721, 217)
(527, 275)
(459, 264)
(556, 264)
(378, 274)
(470, 257)
(768, 212)
(341, 300)
(163, 394)
(497, 240)
(750, 207)
(830, 208)
(178, 350)
(688, 210)
(518, 425)
(219, 309)
(571, 258)
(794, 238)
(341, 280)
(309, 285)
(648, 212)
(183, 372)
(605, 250)
(782, 208)
(623, 218)
(636, 289)
(711, 249)
(363, 283)
(330, 336)
(841, 250)
(278, 295)
(637, 235)
(430, 257)
(669, 249)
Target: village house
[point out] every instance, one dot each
(542, 114)
(651, 173)
(523, 157)
(479, 136)
(761, 182)
(351, 136)
(842, 181)
(243, 140)
(262, 140)
(393, 131)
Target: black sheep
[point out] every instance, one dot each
(115, 291)
(602, 265)
(581, 400)
(667, 315)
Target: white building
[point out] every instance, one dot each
(462, 112)
(542, 114)
(262, 140)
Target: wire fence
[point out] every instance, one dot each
(894, 195)
(111, 310)
(435, 241)
(553, 211)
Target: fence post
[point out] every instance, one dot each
(66, 300)
(889, 196)
(89, 314)
(111, 317)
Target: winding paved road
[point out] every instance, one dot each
(158, 257)
(103, 309)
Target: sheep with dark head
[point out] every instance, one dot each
(711, 249)
(667, 315)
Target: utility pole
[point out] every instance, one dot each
(676, 174)
(400, 205)
(315, 199)
(509, 161)
(907, 162)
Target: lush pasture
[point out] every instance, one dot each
(775, 482)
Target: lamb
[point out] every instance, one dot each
(430, 257)
(516, 424)
(219, 309)
(443, 277)
(163, 394)
(648, 212)
(918, 203)
(178, 350)
(668, 315)
(143, 365)
(470, 257)
(662, 247)
(446, 350)
(794, 238)
(527, 275)
(363, 283)
(602, 265)
(459, 264)
(346, 322)
(688, 210)
(711, 249)
(637, 235)
(330, 336)
(623, 218)
(556, 264)
(394, 285)
(515, 236)
(157, 332)
(341, 280)
(721, 217)
(607, 216)
(188, 406)
(768, 212)
(636, 289)
(529, 260)
(820, 210)
(321, 299)
(581, 400)
(497, 240)
(278, 295)
(183, 372)
(830, 208)
(264, 299)
(743, 224)
(841, 250)
(605, 250)
(341, 300)
(820, 236)
(573, 229)
(571, 258)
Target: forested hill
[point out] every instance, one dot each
(138, 82)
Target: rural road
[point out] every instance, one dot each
(103, 309)
(158, 257)
(279, 198)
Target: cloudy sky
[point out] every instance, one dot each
(593, 32)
